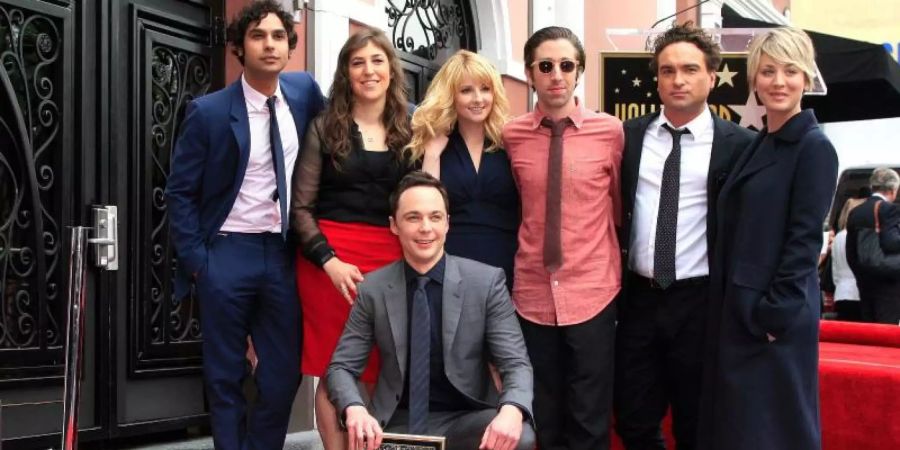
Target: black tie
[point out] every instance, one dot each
(667, 219)
(420, 358)
(553, 214)
(278, 164)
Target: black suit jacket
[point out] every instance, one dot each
(729, 140)
(862, 217)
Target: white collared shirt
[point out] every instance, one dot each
(254, 209)
(690, 245)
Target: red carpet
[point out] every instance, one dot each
(859, 387)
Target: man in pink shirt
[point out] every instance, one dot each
(565, 160)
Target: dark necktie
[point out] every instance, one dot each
(278, 163)
(667, 218)
(419, 359)
(553, 218)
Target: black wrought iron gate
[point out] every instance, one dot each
(91, 95)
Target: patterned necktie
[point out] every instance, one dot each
(278, 163)
(667, 218)
(553, 218)
(419, 358)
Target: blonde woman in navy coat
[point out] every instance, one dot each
(761, 385)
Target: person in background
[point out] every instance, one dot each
(565, 160)
(227, 197)
(457, 136)
(878, 300)
(349, 164)
(846, 293)
(760, 389)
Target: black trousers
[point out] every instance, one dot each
(463, 429)
(847, 310)
(659, 346)
(573, 369)
(879, 304)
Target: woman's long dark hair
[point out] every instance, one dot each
(338, 117)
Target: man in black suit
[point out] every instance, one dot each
(673, 167)
(879, 296)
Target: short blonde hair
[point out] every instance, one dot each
(437, 113)
(785, 45)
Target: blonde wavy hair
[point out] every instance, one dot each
(437, 112)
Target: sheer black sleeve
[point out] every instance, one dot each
(304, 193)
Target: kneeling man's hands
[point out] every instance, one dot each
(363, 431)
(504, 431)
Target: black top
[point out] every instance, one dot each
(484, 205)
(442, 395)
(355, 191)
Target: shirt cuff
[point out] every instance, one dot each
(317, 251)
(526, 416)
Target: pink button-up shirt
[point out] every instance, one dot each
(590, 275)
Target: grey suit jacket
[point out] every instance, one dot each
(479, 327)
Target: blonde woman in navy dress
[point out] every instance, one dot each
(456, 135)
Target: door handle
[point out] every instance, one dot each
(106, 237)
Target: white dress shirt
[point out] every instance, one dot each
(690, 236)
(844, 281)
(255, 210)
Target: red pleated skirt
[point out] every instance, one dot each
(325, 310)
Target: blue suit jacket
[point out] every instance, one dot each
(209, 162)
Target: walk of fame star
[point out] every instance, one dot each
(751, 112)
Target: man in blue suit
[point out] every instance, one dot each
(227, 198)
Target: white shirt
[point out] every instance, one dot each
(844, 281)
(254, 209)
(690, 236)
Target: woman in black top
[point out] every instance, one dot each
(349, 163)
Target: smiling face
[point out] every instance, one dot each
(780, 86)
(683, 81)
(473, 100)
(555, 89)
(421, 223)
(266, 50)
(369, 73)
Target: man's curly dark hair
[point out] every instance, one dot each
(253, 13)
(687, 32)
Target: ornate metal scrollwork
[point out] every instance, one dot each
(429, 29)
(177, 77)
(31, 316)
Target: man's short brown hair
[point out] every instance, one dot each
(687, 32)
(413, 179)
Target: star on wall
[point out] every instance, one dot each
(649, 94)
(636, 82)
(726, 76)
(624, 71)
(617, 90)
(751, 112)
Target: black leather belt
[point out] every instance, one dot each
(652, 284)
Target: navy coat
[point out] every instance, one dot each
(760, 394)
(209, 162)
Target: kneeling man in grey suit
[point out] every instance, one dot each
(438, 322)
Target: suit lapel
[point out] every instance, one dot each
(722, 151)
(395, 304)
(240, 127)
(632, 159)
(452, 304)
(753, 161)
(295, 104)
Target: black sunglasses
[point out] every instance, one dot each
(566, 66)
